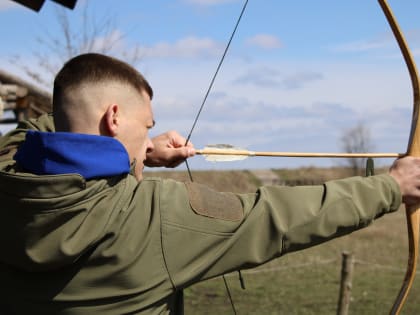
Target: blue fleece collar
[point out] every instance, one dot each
(91, 156)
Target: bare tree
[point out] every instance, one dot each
(356, 140)
(91, 34)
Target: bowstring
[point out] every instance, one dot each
(216, 72)
(212, 82)
(201, 109)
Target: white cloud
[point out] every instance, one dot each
(189, 47)
(299, 79)
(361, 46)
(265, 41)
(386, 41)
(270, 77)
(262, 76)
(114, 43)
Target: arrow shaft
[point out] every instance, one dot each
(296, 154)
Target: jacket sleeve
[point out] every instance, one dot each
(207, 233)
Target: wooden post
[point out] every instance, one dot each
(346, 283)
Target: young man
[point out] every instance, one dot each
(82, 233)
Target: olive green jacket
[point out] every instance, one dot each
(118, 246)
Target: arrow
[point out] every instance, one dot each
(226, 152)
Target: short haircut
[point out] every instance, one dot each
(96, 68)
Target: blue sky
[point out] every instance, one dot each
(297, 75)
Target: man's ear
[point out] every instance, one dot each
(110, 120)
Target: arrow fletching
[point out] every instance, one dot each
(223, 153)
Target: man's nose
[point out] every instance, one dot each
(150, 146)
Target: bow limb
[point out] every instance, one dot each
(412, 212)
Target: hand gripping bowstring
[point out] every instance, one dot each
(180, 295)
(413, 149)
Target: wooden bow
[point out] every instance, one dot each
(412, 212)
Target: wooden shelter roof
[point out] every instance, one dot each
(22, 97)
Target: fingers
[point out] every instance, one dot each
(177, 141)
(176, 156)
(170, 150)
(406, 172)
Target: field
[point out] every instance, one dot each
(307, 282)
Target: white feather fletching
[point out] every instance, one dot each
(216, 156)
